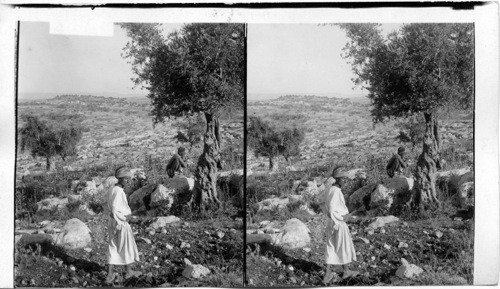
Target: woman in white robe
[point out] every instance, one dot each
(339, 246)
(122, 249)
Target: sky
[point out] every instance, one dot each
(67, 64)
(282, 59)
(299, 59)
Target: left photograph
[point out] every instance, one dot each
(130, 155)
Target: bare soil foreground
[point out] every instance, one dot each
(394, 244)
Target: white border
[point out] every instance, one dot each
(487, 93)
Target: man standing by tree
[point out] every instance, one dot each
(176, 163)
(396, 164)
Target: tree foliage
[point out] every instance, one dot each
(199, 68)
(419, 68)
(49, 138)
(270, 141)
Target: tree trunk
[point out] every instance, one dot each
(273, 164)
(50, 164)
(428, 163)
(205, 187)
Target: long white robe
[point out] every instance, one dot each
(122, 249)
(339, 246)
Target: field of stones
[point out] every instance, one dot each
(61, 226)
(394, 245)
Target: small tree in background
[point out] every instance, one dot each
(411, 131)
(270, 141)
(49, 139)
(197, 69)
(422, 68)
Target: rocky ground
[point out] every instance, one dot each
(441, 244)
(163, 252)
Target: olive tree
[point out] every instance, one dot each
(196, 69)
(270, 141)
(49, 139)
(419, 69)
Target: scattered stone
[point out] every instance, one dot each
(407, 270)
(87, 249)
(220, 234)
(438, 234)
(293, 280)
(151, 232)
(74, 280)
(185, 245)
(373, 258)
(195, 271)
(382, 231)
(365, 240)
(307, 250)
(163, 230)
(148, 241)
(379, 222)
(281, 277)
(168, 246)
(387, 247)
(163, 221)
(290, 268)
(370, 232)
(402, 245)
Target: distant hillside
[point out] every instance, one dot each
(268, 96)
(22, 97)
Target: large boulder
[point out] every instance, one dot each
(360, 197)
(465, 196)
(162, 196)
(163, 221)
(85, 188)
(152, 196)
(138, 200)
(294, 234)
(75, 234)
(52, 204)
(452, 179)
(397, 188)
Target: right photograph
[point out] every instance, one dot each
(360, 154)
